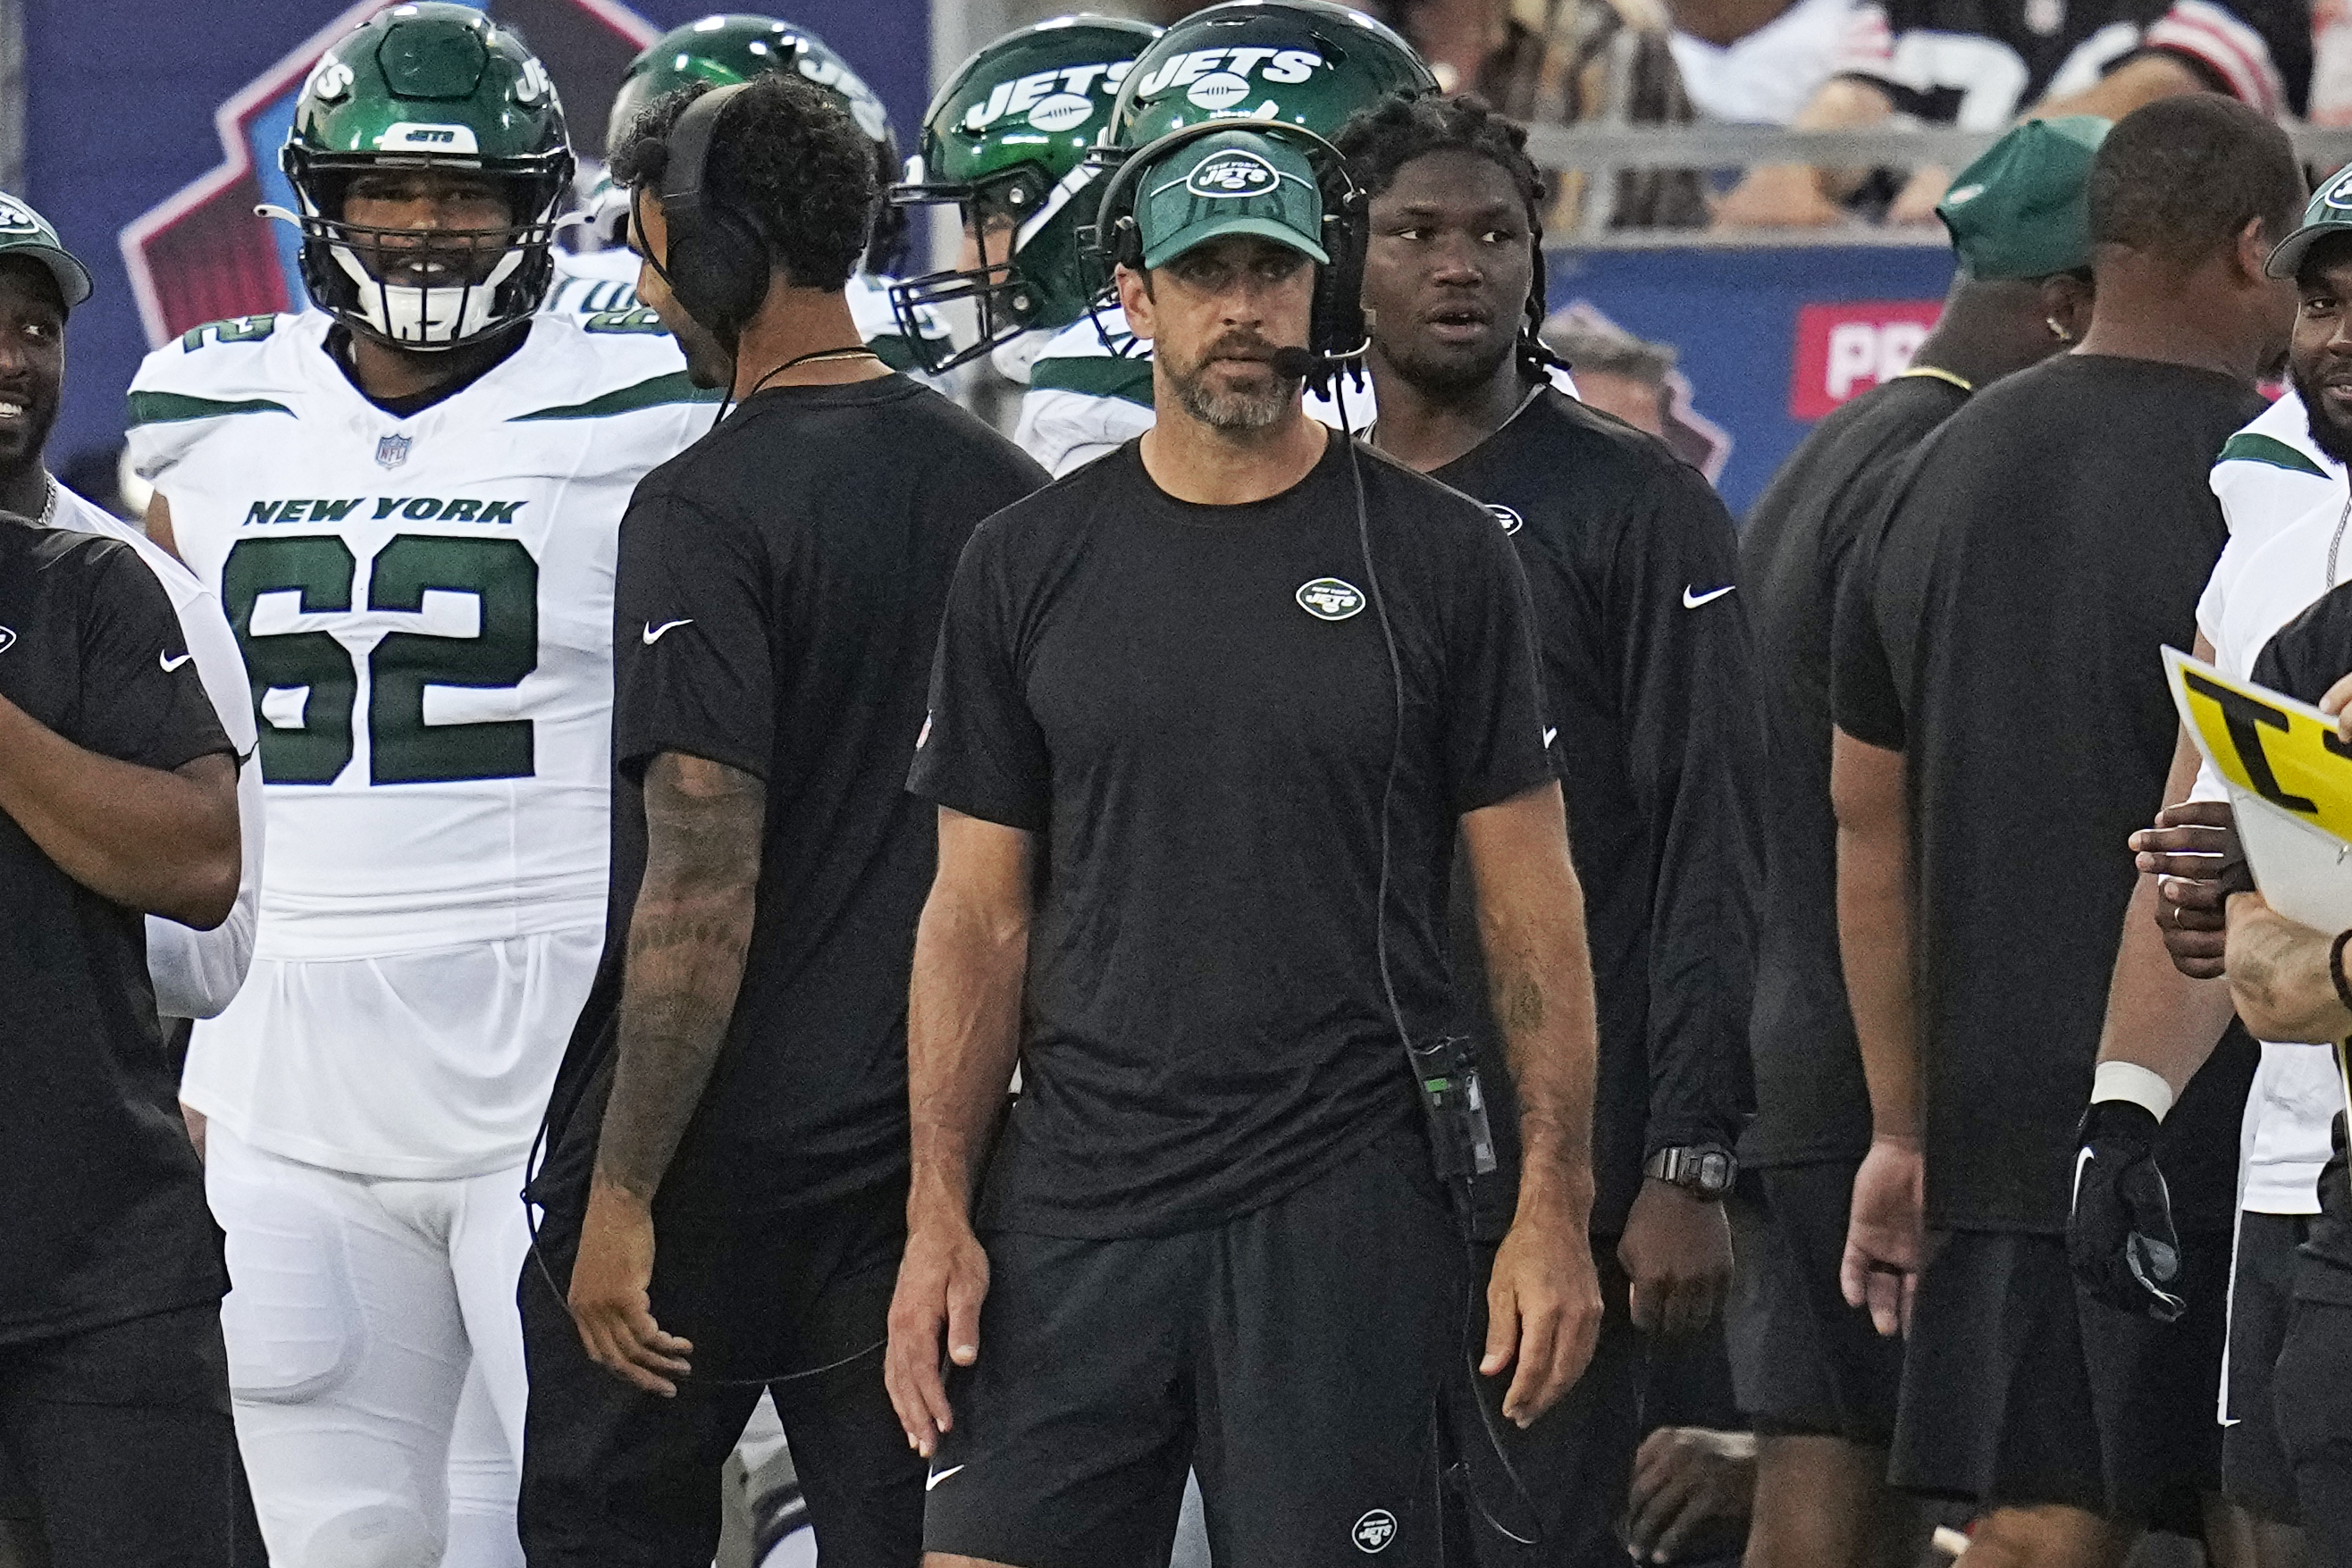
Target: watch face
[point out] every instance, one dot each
(1714, 1171)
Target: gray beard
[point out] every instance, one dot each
(1235, 410)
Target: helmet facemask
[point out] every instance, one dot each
(427, 289)
(1005, 215)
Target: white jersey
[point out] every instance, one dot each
(1090, 392)
(2271, 570)
(600, 286)
(425, 605)
(2271, 472)
(197, 973)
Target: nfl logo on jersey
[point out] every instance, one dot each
(393, 451)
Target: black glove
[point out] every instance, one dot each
(2120, 1238)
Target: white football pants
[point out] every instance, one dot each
(363, 1308)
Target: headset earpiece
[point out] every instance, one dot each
(718, 265)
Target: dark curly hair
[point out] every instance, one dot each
(788, 160)
(1378, 141)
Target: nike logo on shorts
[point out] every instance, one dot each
(656, 634)
(170, 664)
(934, 1479)
(1693, 601)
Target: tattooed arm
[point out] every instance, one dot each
(687, 941)
(1543, 1299)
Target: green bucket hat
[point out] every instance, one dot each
(24, 232)
(2329, 213)
(2022, 208)
(1234, 182)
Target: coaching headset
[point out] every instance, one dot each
(718, 266)
(1336, 336)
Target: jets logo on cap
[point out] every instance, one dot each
(1329, 599)
(1372, 1532)
(1234, 174)
(2339, 195)
(16, 218)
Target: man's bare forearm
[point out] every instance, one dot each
(160, 842)
(688, 937)
(2279, 974)
(1873, 898)
(963, 1035)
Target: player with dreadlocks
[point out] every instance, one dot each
(1630, 556)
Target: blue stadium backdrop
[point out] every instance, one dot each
(151, 141)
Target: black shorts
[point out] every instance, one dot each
(2313, 1394)
(1801, 1360)
(2254, 1470)
(120, 1441)
(2017, 1391)
(1292, 1356)
(615, 1479)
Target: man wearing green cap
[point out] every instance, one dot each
(2004, 725)
(117, 803)
(1207, 718)
(1820, 1385)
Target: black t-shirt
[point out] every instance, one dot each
(2049, 540)
(1193, 707)
(777, 605)
(1802, 538)
(1980, 63)
(1629, 558)
(104, 1198)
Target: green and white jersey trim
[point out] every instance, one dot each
(2271, 472)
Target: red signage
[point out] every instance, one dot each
(1845, 349)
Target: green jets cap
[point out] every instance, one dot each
(24, 232)
(2329, 213)
(1234, 182)
(2022, 208)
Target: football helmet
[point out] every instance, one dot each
(1007, 142)
(1298, 62)
(428, 85)
(735, 48)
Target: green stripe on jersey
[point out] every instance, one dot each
(171, 408)
(1095, 376)
(675, 387)
(2244, 447)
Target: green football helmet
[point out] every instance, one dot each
(1301, 62)
(428, 85)
(725, 49)
(1007, 141)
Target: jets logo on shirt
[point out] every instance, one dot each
(1512, 522)
(7, 639)
(1329, 599)
(1373, 1532)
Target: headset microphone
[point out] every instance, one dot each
(1295, 364)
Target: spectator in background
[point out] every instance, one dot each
(1756, 62)
(1959, 63)
(1616, 373)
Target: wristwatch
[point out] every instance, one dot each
(1702, 1170)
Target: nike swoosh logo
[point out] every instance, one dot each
(656, 634)
(1693, 601)
(931, 1481)
(1549, 736)
(2082, 1158)
(170, 664)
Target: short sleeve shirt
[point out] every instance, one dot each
(2047, 544)
(779, 589)
(104, 1196)
(1193, 708)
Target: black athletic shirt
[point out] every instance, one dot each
(1801, 540)
(103, 1197)
(1980, 63)
(1192, 707)
(779, 589)
(1629, 557)
(2050, 539)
